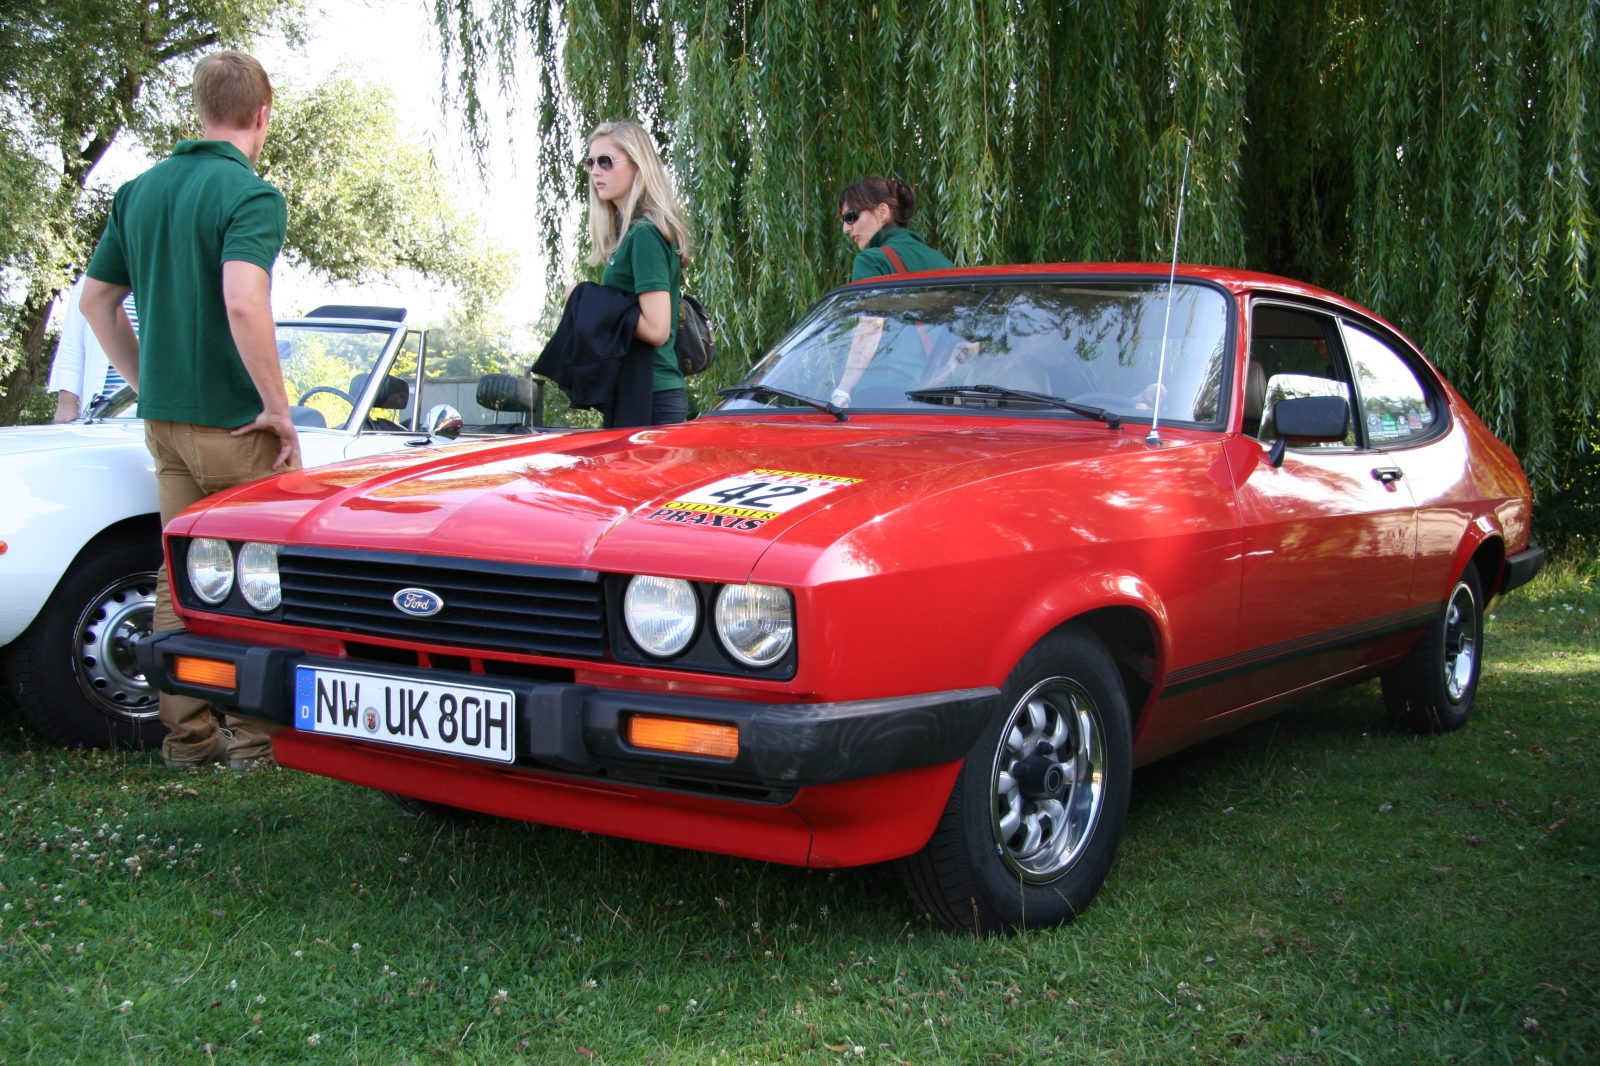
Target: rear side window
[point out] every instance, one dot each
(1394, 405)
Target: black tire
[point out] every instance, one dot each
(427, 809)
(1432, 691)
(104, 600)
(969, 875)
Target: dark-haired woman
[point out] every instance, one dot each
(875, 212)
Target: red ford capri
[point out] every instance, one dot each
(927, 587)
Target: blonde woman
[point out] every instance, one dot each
(637, 229)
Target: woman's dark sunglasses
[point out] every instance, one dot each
(849, 217)
(604, 162)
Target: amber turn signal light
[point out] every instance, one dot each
(683, 735)
(208, 672)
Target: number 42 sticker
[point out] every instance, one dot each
(748, 501)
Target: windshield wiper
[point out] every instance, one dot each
(995, 392)
(754, 390)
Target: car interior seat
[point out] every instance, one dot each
(507, 394)
(393, 395)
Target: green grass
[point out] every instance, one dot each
(1313, 889)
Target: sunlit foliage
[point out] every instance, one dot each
(1432, 158)
(366, 201)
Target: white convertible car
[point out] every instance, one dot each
(79, 531)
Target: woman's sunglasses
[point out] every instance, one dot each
(604, 162)
(849, 217)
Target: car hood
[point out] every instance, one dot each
(69, 436)
(599, 500)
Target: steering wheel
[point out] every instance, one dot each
(345, 396)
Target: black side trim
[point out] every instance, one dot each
(1189, 678)
(1522, 568)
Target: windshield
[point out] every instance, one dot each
(1095, 344)
(325, 369)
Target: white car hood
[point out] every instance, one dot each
(70, 436)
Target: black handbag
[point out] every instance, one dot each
(696, 347)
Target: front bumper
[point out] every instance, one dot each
(578, 729)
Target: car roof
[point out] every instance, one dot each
(1234, 280)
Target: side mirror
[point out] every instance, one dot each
(1308, 419)
(443, 423)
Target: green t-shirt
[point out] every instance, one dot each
(645, 262)
(171, 229)
(872, 263)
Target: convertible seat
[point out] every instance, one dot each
(510, 393)
(506, 392)
(394, 395)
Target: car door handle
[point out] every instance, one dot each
(1387, 474)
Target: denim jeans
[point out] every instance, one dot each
(668, 406)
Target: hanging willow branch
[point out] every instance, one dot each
(1431, 158)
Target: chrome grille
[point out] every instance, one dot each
(541, 610)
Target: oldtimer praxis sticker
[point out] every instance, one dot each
(748, 501)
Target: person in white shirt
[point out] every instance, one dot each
(81, 372)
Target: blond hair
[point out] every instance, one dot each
(230, 89)
(651, 197)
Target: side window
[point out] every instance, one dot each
(1394, 405)
(1293, 354)
(396, 403)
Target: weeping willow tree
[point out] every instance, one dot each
(1431, 158)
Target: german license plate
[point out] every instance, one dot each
(454, 719)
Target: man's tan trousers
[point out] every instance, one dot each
(192, 462)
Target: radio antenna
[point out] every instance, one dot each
(1154, 439)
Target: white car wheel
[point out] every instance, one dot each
(72, 672)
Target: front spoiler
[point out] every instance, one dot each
(782, 746)
(851, 823)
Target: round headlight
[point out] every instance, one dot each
(661, 613)
(210, 569)
(755, 622)
(258, 576)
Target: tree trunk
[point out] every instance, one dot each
(30, 330)
(31, 323)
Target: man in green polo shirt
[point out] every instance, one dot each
(194, 238)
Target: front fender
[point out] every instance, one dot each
(950, 590)
(1074, 596)
(56, 501)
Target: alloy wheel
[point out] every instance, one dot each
(1460, 642)
(1048, 781)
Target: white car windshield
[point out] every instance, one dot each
(980, 345)
(325, 370)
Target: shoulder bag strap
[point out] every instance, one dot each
(900, 268)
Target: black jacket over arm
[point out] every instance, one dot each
(596, 359)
